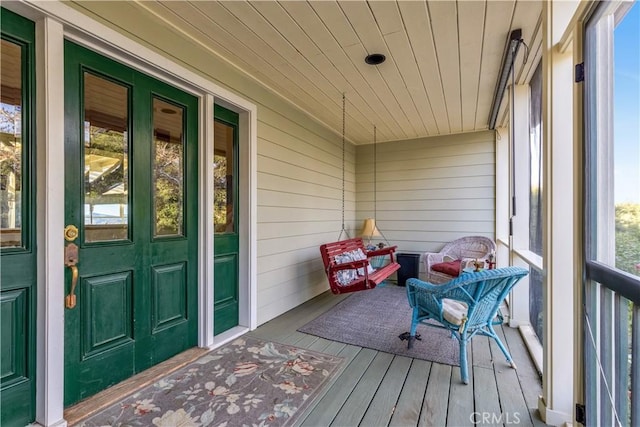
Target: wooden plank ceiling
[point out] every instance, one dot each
(443, 57)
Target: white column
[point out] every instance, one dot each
(561, 251)
(502, 197)
(248, 138)
(50, 202)
(519, 120)
(205, 253)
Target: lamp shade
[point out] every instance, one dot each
(369, 228)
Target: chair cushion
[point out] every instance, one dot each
(453, 311)
(452, 268)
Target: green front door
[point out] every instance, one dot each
(17, 222)
(225, 219)
(131, 191)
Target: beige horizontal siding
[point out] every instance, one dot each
(300, 191)
(429, 191)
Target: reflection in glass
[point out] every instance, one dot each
(11, 145)
(168, 170)
(106, 148)
(223, 178)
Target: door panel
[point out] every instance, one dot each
(226, 214)
(131, 186)
(13, 308)
(169, 290)
(226, 292)
(17, 222)
(108, 315)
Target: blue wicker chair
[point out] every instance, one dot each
(466, 306)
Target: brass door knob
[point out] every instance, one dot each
(70, 233)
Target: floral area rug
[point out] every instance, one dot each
(247, 382)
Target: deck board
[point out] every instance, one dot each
(409, 404)
(486, 395)
(373, 388)
(384, 402)
(327, 408)
(358, 402)
(460, 399)
(481, 352)
(436, 399)
(527, 372)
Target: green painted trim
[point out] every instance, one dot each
(18, 400)
(224, 115)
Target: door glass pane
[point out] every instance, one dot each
(223, 178)
(106, 160)
(11, 145)
(168, 168)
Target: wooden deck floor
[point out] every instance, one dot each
(381, 389)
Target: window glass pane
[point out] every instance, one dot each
(626, 140)
(613, 107)
(223, 171)
(612, 220)
(106, 159)
(168, 168)
(11, 145)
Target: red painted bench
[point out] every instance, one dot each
(367, 280)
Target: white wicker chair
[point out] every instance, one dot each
(466, 249)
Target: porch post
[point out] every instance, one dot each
(205, 252)
(50, 202)
(503, 248)
(519, 122)
(561, 250)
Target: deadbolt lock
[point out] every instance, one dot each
(70, 233)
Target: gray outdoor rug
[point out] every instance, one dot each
(246, 382)
(374, 319)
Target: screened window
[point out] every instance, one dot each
(536, 306)
(612, 214)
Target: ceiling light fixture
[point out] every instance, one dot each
(515, 38)
(375, 59)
